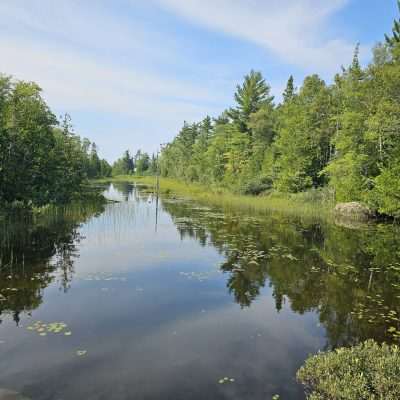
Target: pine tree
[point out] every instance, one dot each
(289, 92)
(395, 39)
(250, 97)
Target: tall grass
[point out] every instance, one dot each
(313, 204)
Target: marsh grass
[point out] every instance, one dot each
(310, 205)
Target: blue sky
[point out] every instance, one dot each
(129, 72)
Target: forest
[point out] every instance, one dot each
(42, 160)
(341, 139)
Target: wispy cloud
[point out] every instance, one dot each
(295, 30)
(87, 59)
(124, 64)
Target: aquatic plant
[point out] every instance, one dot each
(299, 205)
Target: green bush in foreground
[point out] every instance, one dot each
(367, 371)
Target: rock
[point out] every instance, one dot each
(354, 210)
(11, 395)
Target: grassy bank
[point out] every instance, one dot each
(312, 204)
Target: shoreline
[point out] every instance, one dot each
(298, 205)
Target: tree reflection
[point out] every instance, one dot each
(36, 251)
(350, 277)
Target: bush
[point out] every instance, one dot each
(256, 186)
(367, 371)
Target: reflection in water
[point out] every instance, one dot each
(169, 297)
(35, 251)
(350, 277)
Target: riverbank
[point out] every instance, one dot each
(313, 204)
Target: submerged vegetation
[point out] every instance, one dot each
(343, 136)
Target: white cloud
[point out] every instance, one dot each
(93, 57)
(295, 30)
(76, 81)
(86, 59)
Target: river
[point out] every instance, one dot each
(146, 298)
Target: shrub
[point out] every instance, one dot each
(365, 372)
(256, 186)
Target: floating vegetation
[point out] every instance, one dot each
(376, 312)
(81, 353)
(104, 276)
(199, 276)
(43, 329)
(226, 380)
(8, 289)
(282, 252)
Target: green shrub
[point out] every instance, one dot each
(256, 186)
(364, 372)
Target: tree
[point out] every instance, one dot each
(42, 160)
(142, 163)
(304, 134)
(395, 39)
(124, 165)
(344, 136)
(250, 97)
(290, 90)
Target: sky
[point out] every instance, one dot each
(130, 72)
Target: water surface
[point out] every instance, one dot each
(163, 299)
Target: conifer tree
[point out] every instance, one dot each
(395, 39)
(250, 97)
(289, 92)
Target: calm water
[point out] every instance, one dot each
(164, 304)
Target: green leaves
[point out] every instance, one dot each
(366, 371)
(49, 328)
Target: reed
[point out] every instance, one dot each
(311, 204)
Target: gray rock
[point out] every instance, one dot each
(354, 210)
(11, 395)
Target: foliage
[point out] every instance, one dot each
(250, 97)
(140, 164)
(395, 39)
(42, 161)
(344, 136)
(366, 371)
(314, 207)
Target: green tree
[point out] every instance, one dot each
(394, 40)
(303, 140)
(290, 90)
(250, 97)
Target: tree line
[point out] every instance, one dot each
(342, 137)
(42, 160)
(140, 164)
